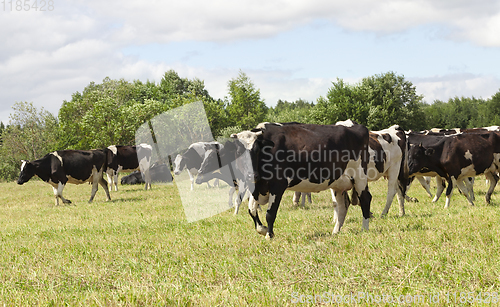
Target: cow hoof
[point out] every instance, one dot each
(67, 201)
(262, 230)
(269, 237)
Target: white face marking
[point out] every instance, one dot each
(23, 165)
(177, 163)
(468, 155)
(347, 123)
(248, 138)
(113, 149)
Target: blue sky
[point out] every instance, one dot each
(289, 49)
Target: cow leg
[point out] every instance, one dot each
(191, 178)
(109, 175)
(463, 188)
(58, 194)
(392, 187)
(340, 209)
(216, 183)
(449, 191)
(296, 198)
(104, 185)
(240, 196)
(401, 201)
(303, 203)
(309, 198)
(147, 178)
(365, 199)
(440, 184)
(115, 179)
(272, 210)
(408, 198)
(95, 182)
(469, 184)
(231, 194)
(252, 210)
(493, 179)
(425, 184)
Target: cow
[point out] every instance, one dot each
(457, 157)
(68, 166)
(388, 158)
(192, 158)
(158, 173)
(307, 158)
(133, 178)
(428, 137)
(126, 159)
(221, 163)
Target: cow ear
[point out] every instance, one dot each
(234, 136)
(429, 151)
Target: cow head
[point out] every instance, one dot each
(230, 155)
(179, 164)
(419, 158)
(27, 171)
(254, 143)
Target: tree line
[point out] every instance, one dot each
(110, 112)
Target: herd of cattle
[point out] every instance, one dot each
(273, 157)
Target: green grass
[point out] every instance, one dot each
(139, 250)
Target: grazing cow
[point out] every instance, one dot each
(133, 178)
(457, 157)
(158, 173)
(127, 159)
(222, 164)
(192, 158)
(388, 154)
(307, 158)
(68, 166)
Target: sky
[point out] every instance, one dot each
(290, 49)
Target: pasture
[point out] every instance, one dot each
(139, 250)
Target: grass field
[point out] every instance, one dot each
(139, 250)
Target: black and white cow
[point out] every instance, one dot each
(223, 163)
(457, 157)
(388, 154)
(133, 178)
(128, 159)
(192, 158)
(307, 158)
(429, 137)
(158, 173)
(68, 166)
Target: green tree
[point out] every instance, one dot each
(343, 101)
(284, 111)
(31, 134)
(244, 106)
(377, 102)
(391, 100)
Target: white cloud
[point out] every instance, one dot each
(456, 85)
(226, 20)
(47, 56)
